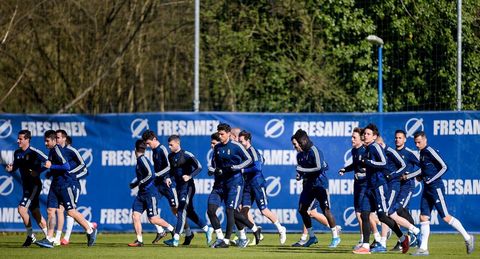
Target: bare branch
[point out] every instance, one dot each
(13, 86)
(9, 25)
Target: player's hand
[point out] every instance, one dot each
(186, 178)
(48, 164)
(341, 172)
(210, 173)
(218, 171)
(404, 176)
(9, 168)
(132, 185)
(168, 182)
(298, 177)
(419, 178)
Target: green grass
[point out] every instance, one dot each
(115, 246)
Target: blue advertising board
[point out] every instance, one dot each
(106, 143)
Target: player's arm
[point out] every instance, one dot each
(413, 158)
(256, 166)
(164, 161)
(65, 166)
(193, 161)
(147, 172)
(247, 159)
(12, 167)
(77, 160)
(379, 155)
(399, 162)
(439, 163)
(317, 160)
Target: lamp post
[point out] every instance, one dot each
(378, 41)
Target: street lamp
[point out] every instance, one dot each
(378, 41)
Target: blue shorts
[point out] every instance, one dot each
(217, 196)
(402, 198)
(310, 193)
(314, 205)
(233, 190)
(31, 197)
(255, 190)
(77, 190)
(170, 193)
(359, 190)
(64, 195)
(433, 196)
(375, 200)
(146, 201)
(392, 194)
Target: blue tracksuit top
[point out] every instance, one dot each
(29, 160)
(356, 166)
(312, 166)
(433, 166)
(231, 157)
(183, 163)
(395, 165)
(255, 168)
(375, 162)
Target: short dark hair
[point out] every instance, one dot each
(400, 131)
(61, 131)
(303, 140)
(419, 134)
(68, 140)
(174, 137)
(246, 135)
(26, 134)
(357, 130)
(149, 135)
(140, 146)
(50, 134)
(223, 126)
(215, 136)
(373, 128)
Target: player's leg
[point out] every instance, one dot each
(52, 205)
(323, 198)
(306, 199)
(137, 225)
(60, 222)
(441, 207)
(69, 220)
(426, 206)
(214, 202)
(193, 216)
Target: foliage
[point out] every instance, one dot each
(256, 55)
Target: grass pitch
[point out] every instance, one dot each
(115, 246)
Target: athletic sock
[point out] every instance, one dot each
(455, 223)
(159, 229)
(140, 238)
(278, 225)
(310, 232)
(414, 230)
(69, 227)
(425, 227)
(29, 231)
(242, 234)
(334, 232)
(219, 233)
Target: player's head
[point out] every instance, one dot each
(23, 139)
(61, 137)
(380, 141)
(234, 133)
(301, 141)
(357, 137)
(68, 140)
(400, 138)
(140, 147)
(245, 138)
(214, 139)
(174, 143)
(50, 138)
(370, 133)
(420, 139)
(223, 130)
(150, 139)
